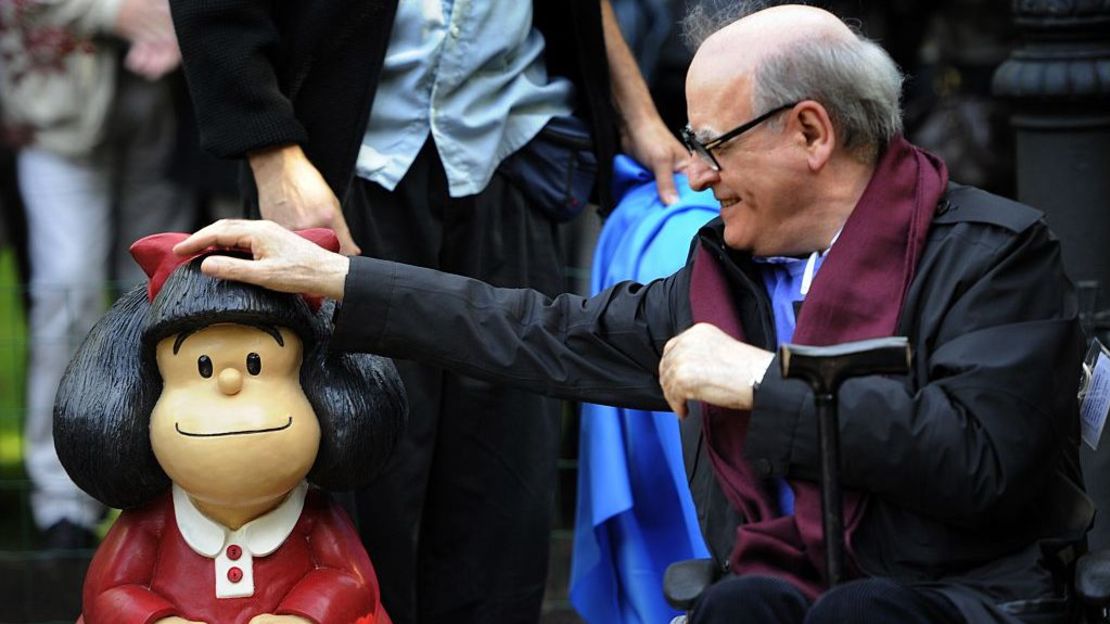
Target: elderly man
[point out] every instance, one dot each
(961, 476)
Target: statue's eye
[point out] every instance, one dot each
(254, 363)
(204, 366)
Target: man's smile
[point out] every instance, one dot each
(287, 424)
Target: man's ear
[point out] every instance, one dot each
(816, 133)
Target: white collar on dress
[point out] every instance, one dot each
(262, 536)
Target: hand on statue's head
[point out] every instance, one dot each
(281, 261)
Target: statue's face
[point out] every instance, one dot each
(233, 426)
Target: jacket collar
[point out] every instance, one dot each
(262, 536)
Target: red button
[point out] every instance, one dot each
(234, 575)
(234, 552)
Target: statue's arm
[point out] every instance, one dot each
(117, 586)
(343, 587)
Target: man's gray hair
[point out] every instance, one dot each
(854, 79)
(706, 17)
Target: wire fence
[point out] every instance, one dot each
(36, 585)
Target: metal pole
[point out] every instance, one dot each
(1058, 83)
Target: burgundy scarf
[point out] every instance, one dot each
(857, 294)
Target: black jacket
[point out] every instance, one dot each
(271, 73)
(970, 459)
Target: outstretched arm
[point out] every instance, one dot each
(603, 349)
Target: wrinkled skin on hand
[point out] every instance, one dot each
(281, 261)
(705, 364)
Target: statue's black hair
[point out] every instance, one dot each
(102, 410)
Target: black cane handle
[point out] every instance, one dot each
(825, 368)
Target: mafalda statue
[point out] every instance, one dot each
(213, 413)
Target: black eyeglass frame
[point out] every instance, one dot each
(705, 150)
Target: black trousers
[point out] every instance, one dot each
(766, 600)
(458, 526)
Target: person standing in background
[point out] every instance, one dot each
(83, 104)
(457, 135)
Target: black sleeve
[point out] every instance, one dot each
(994, 402)
(603, 349)
(230, 51)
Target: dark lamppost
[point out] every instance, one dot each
(1058, 83)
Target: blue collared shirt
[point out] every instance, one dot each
(787, 281)
(470, 73)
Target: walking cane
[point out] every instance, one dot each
(824, 369)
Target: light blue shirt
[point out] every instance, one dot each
(787, 282)
(470, 73)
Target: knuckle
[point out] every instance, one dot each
(228, 272)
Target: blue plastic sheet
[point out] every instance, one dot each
(635, 515)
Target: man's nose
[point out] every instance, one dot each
(230, 381)
(700, 174)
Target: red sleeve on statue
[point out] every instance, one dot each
(117, 586)
(343, 587)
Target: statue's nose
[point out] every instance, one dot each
(230, 381)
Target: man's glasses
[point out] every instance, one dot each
(705, 150)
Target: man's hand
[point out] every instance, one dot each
(291, 192)
(643, 134)
(654, 147)
(267, 618)
(282, 260)
(705, 364)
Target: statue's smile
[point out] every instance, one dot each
(287, 424)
